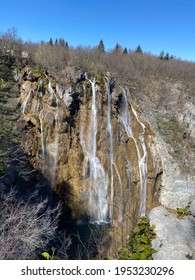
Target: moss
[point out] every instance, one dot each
(37, 72)
(182, 212)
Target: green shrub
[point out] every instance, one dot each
(182, 212)
(139, 246)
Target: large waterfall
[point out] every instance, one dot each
(95, 152)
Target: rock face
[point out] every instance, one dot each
(89, 140)
(175, 237)
(178, 188)
(171, 117)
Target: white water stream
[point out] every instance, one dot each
(126, 121)
(97, 191)
(25, 102)
(113, 166)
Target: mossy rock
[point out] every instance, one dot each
(36, 74)
(32, 120)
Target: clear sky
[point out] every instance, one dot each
(156, 25)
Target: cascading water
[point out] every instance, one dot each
(25, 102)
(52, 149)
(142, 167)
(89, 143)
(125, 119)
(112, 161)
(41, 118)
(50, 145)
(97, 190)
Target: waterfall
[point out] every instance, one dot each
(96, 192)
(49, 148)
(112, 161)
(25, 102)
(142, 167)
(50, 89)
(52, 149)
(53, 96)
(41, 118)
(125, 119)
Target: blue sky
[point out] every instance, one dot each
(156, 25)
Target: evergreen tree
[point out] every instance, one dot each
(56, 42)
(125, 51)
(117, 48)
(167, 56)
(62, 42)
(66, 45)
(101, 47)
(162, 55)
(50, 42)
(138, 49)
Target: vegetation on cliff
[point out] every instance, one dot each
(140, 242)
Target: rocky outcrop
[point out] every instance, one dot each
(175, 237)
(171, 117)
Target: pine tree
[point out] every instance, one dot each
(162, 55)
(56, 42)
(125, 51)
(117, 48)
(138, 49)
(167, 56)
(66, 45)
(61, 42)
(50, 42)
(101, 47)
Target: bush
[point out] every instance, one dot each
(25, 227)
(139, 246)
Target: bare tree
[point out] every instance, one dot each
(26, 227)
(97, 245)
(10, 43)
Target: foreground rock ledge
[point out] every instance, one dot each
(175, 237)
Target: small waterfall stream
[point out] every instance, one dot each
(142, 167)
(113, 166)
(41, 118)
(25, 102)
(125, 119)
(50, 124)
